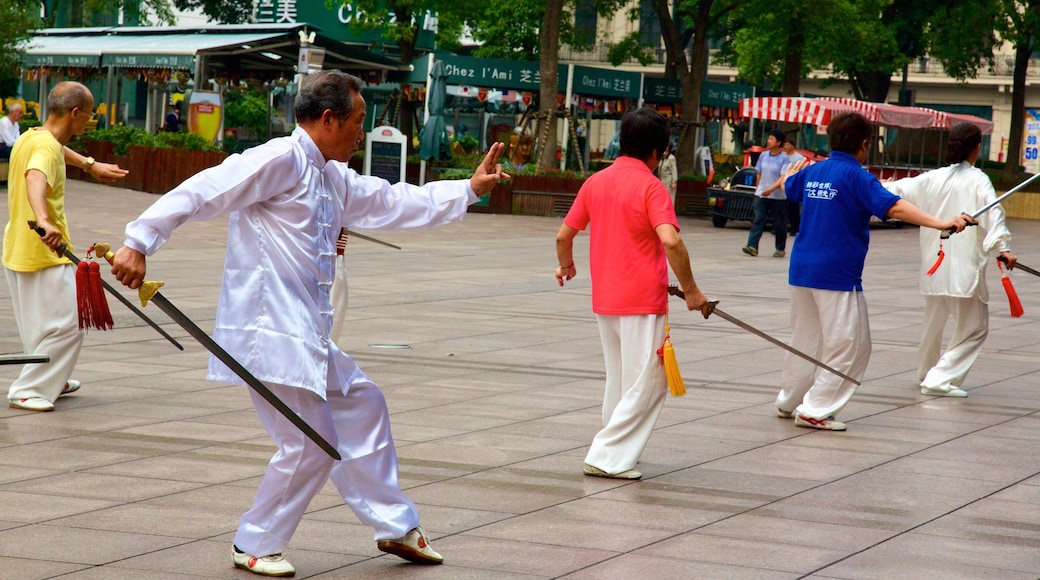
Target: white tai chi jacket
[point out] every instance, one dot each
(287, 206)
(945, 193)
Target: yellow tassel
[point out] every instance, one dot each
(676, 386)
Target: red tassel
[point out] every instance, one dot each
(935, 266)
(90, 298)
(1013, 301)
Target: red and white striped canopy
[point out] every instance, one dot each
(944, 121)
(889, 115)
(791, 109)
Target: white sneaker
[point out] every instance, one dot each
(413, 546)
(828, 424)
(32, 404)
(70, 387)
(941, 392)
(273, 565)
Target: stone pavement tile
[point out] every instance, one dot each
(759, 489)
(97, 486)
(734, 426)
(78, 545)
(27, 508)
(471, 492)
(752, 526)
(209, 465)
(527, 555)
(31, 569)
(599, 510)
(149, 518)
(990, 520)
(576, 533)
(640, 566)
(774, 554)
(807, 462)
(958, 468)
(212, 559)
(389, 566)
(700, 501)
(918, 555)
(994, 452)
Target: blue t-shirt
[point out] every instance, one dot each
(838, 197)
(770, 168)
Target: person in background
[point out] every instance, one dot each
(172, 121)
(828, 310)
(634, 238)
(958, 286)
(10, 129)
(794, 209)
(770, 200)
(668, 171)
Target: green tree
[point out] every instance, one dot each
(18, 18)
(549, 58)
(963, 35)
(692, 22)
(222, 11)
(103, 12)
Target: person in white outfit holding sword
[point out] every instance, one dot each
(957, 286)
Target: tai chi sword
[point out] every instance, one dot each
(149, 291)
(63, 250)
(1022, 267)
(675, 291)
(992, 204)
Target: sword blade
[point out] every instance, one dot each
(211, 345)
(371, 239)
(782, 345)
(1009, 193)
(733, 319)
(64, 250)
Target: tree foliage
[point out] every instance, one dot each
(221, 11)
(18, 18)
(105, 12)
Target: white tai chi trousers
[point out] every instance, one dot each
(970, 328)
(833, 328)
(45, 309)
(358, 425)
(635, 390)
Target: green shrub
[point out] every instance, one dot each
(184, 141)
(246, 108)
(121, 138)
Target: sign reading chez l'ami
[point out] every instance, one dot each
(385, 153)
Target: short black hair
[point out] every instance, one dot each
(643, 132)
(848, 131)
(781, 137)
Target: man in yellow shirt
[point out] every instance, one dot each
(43, 287)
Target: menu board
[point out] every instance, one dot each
(385, 153)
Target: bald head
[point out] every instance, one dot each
(69, 95)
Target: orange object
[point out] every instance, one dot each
(1013, 301)
(935, 266)
(90, 298)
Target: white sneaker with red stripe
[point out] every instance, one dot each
(413, 546)
(70, 387)
(272, 565)
(828, 424)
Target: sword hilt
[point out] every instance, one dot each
(945, 235)
(34, 226)
(147, 290)
(676, 291)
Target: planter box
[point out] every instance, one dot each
(543, 195)
(152, 170)
(691, 198)
(500, 201)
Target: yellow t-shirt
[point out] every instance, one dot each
(23, 250)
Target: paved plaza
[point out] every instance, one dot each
(494, 384)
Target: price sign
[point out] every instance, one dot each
(385, 152)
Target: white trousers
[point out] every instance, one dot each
(340, 297)
(358, 425)
(970, 328)
(833, 328)
(635, 390)
(45, 310)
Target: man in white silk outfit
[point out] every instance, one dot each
(288, 199)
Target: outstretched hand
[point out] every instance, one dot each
(489, 172)
(107, 172)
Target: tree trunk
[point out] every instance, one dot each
(550, 57)
(1018, 107)
(871, 86)
(691, 76)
